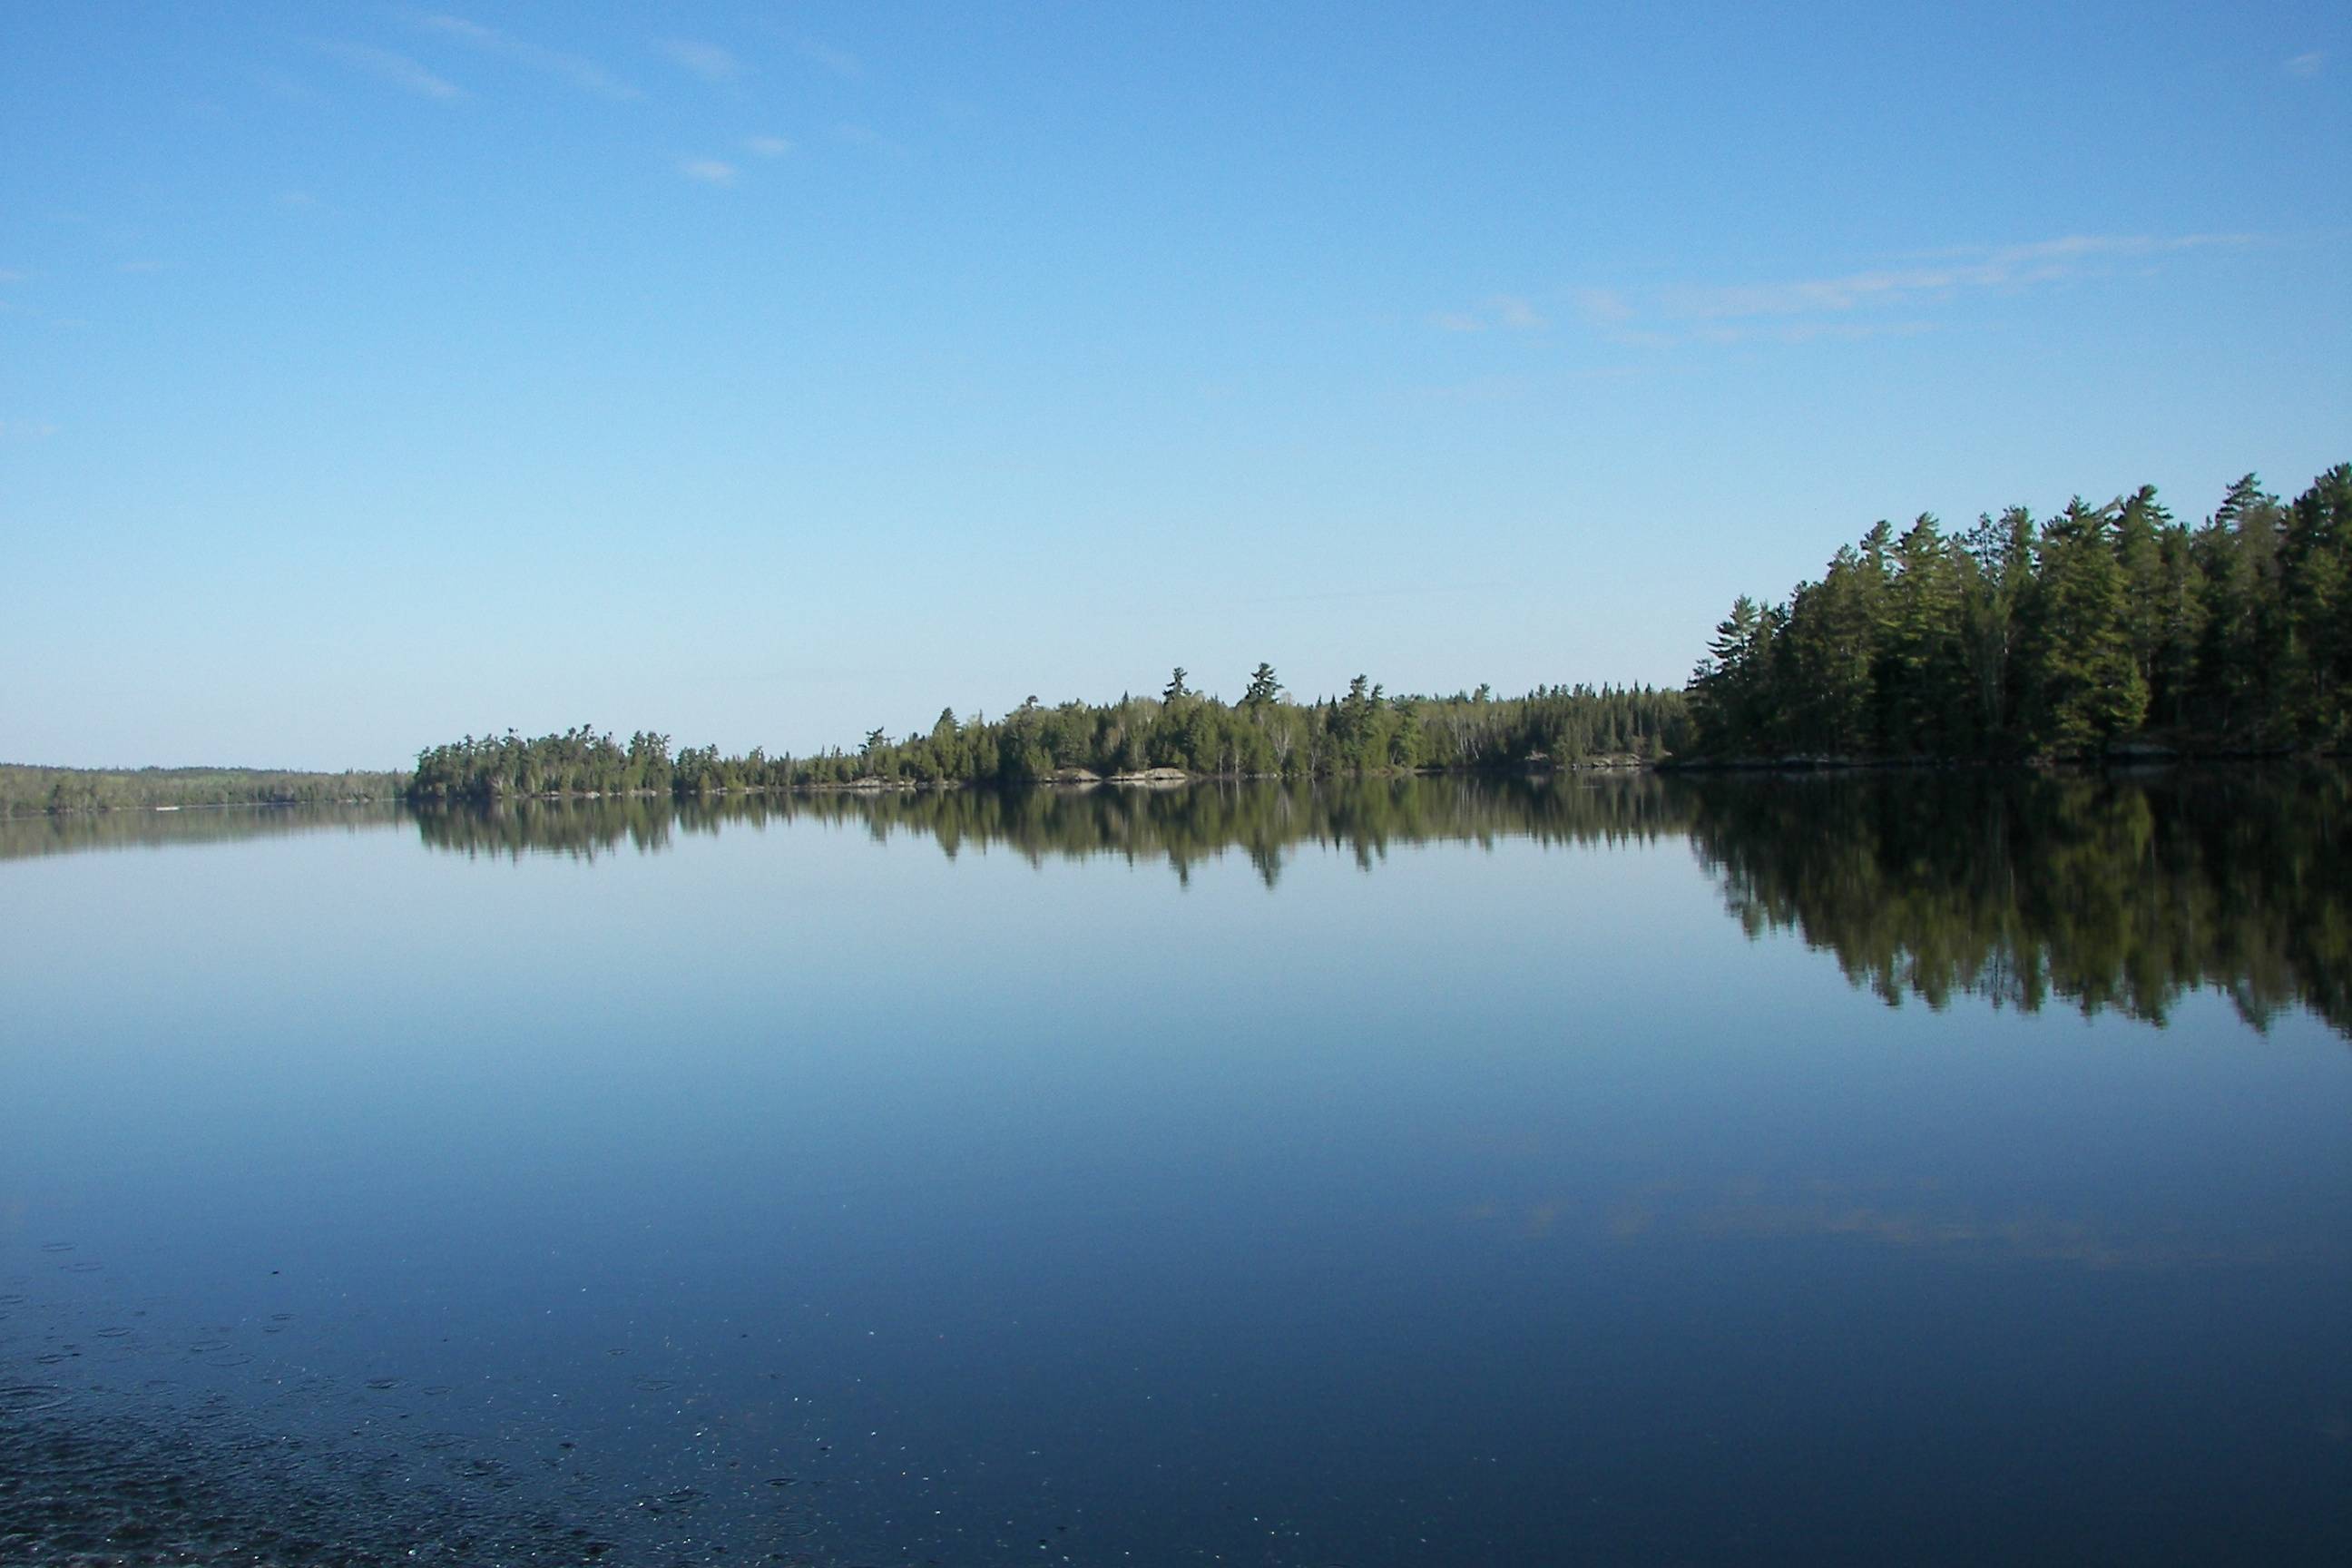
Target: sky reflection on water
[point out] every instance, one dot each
(1505, 1203)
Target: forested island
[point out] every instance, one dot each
(1181, 732)
(2100, 630)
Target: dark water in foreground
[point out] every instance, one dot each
(1904, 1169)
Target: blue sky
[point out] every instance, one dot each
(765, 374)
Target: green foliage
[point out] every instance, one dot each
(2100, 626)
(2085, 689)
(577, 761)
(1265, 735)
(28, 791)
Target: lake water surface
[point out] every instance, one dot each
(1912, 1168)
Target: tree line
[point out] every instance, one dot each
(1264, 734)
(32, 791)
(2070, 636)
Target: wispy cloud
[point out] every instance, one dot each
(709, 171)
(1602, 306)
(1999, 268)
(840, 62)
(1516, 315)
(581, 72)
(2307, 64)
(140, 265)
(707, 62)
(297, 199)
(769, 146)
(11, 274)
(1508, 312)
(27, 430)
(396, 68)
(1900, 299)
(1768, 331)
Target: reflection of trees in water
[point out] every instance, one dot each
(583, 829)
(1265, 820)
(66, 833)
(2102, 890)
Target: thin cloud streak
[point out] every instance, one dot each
(581, 72)
(1508, 312)
(707, 62)
(1602, 306)
(2307, 65)
(840, 62)
(708, 170)
(1846, 307)
(391, 68)
(2007, 267)
(1516, 315)
(769, 146)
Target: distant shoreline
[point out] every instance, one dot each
(19, 809)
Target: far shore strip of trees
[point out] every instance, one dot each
(27, 790)
(1181, 733)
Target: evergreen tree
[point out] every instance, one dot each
(1923, 676)
(2086, 690)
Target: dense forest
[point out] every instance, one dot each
(2096, 630)
(1264, 734)
(27, 791)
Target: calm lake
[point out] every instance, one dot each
(1912, 1168)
